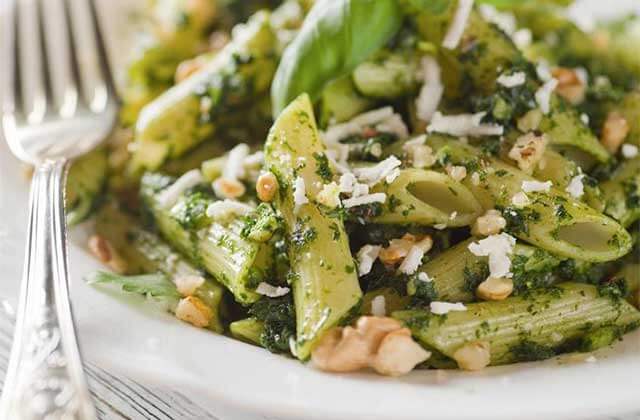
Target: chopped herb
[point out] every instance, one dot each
(278, 316)
(303, 235)
(322, 167)
(518, 219)
(529, 351)
(261, 224)
(474, 275)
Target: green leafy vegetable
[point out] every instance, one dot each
(278, 316)
(157, 285)
(336, 36)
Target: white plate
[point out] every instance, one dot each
(231, 377)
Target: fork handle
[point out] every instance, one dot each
(45, 378)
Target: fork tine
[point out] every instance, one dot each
(88, 54)
(7, 56)
(59, 59)
(32, 83)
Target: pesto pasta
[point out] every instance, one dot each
(383, 185)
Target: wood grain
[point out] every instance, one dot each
(117, 397)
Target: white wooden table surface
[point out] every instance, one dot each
(118, 397)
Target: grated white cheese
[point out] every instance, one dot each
(522, 38)
(582, 74)
(475, 178)
(347, 182)
(359, 190)
(299, 193)
(422, 276)
(187, 284)
(254, 160)
(576, 187)
(168, 197)
(591, 359)
(440, 226)
(543, 95)
(420, 155)
(497, 248)
(355, 126)
(386, 169)
(520, 199)
(503, 20)
(512, 80)
(442, 308)
(463, 125)
(226, 209)
(453, 215)
(412, 261)
(234, 166)
(431, 91)
(584, 118)
(543, 71)
(378, 306)
(458, 24)
(629, 151)
(536, 186)
(367, 255)
(338, 154)
(456, 172)
(364, 199)
(329, 195)
(415, 255)
(265, 289)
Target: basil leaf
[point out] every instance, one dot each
(336, 36)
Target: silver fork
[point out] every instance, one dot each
(56, 104)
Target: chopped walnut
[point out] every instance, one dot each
(341, 350)
(102, 249)
(490, 223)
(194, 311)
(528, 150)
(397, 249)
(398, 354)
(374, 328)
(570, 86)
(266, 186)
(187, 284)
(457, 173)
(378, 342)
(228, 188)
(495, 288)
(473, 356)
(614, 131)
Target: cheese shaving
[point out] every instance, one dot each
(367, 255)
(512, 80)
(268, 290)
(365, 199)
(299, 193)
(442, 308)
(384, 170)
(543, 95)
(432, 89)
(458, 24)
(463, 125)
(168, 197)
(497, 248)
(536, 186)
